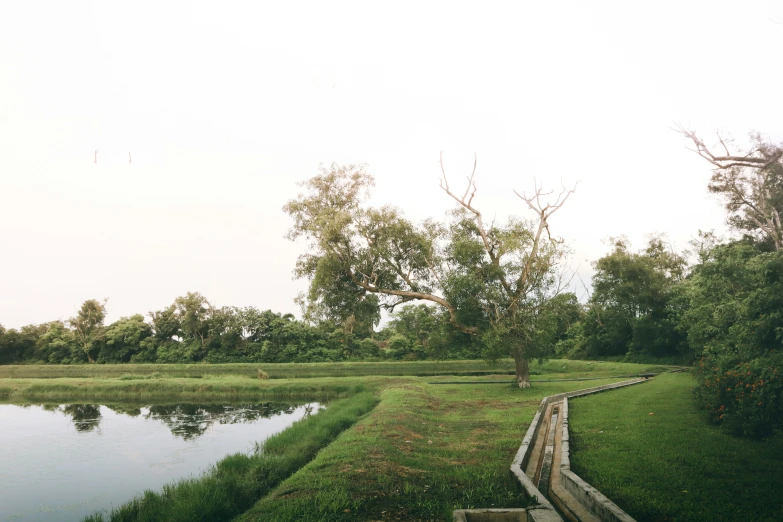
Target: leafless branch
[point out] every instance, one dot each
(727, 160)
(467, 203)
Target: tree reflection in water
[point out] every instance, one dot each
(188, 421)
(192, 420)
(85, 417)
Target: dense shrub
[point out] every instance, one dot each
(744, 397)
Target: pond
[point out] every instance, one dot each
(63, 462)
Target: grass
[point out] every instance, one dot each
(178, 389)
(304, 370)
(237, 481)
(672, 465)
(215, 382)
(423, 452)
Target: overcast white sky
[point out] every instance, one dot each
(224, 106)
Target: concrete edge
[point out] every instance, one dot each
(586, 494)
(531, 514)
(546, 511)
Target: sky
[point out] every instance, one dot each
(222, 107)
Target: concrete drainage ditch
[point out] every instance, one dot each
(543, 468)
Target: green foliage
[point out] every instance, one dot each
(744, 397)
(636, 305)
(188, 331)
(735, 321)
(88, 327)
(58, 344)
(493, 281)
(736, 301)
(123, 339)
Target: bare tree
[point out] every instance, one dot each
(751, 182)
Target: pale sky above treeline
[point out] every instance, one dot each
(225, 106)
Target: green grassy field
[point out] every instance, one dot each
(672, 465)
(423, 451)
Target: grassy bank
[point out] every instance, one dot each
(237, 481)
(423, 452)
(179, 389)
(309, 370)
(672, 465)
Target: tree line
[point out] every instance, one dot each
(191, 330)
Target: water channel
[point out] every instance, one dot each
(63, 462)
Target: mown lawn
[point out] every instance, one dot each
(672, 465)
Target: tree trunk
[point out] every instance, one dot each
(523, 371)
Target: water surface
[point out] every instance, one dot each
(63, 462)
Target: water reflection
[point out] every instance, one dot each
(187, 421)
(192, 420)
(64, 461)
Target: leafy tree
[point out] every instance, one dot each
(631, 309)
(88, 326)
(735, 322)
(59, 344)
(736, 301)
(166, 324)
(194, 313)
(417, 323)
(124, 338)
(495, 281)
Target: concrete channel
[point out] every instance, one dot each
(543, 468)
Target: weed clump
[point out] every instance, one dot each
(262, 374)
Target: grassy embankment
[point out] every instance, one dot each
(672, 465)
(424, 451)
